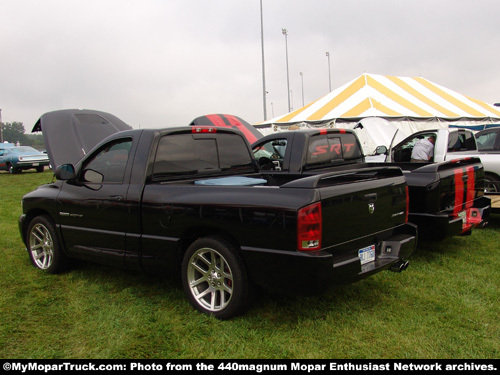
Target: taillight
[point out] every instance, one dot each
(407, 204)
(309, 228)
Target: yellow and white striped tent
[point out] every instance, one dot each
(413, 103)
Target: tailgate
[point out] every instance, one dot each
(359, 203)
(462, 181)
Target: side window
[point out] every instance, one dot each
(108, 165)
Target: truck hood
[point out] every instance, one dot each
(69, 134)
(229, 121)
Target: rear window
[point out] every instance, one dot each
(324, 150)
(461, 141)
(192, 155)
(486, 141)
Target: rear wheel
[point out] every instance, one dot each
(214, 278)
(491, 183)
(40, 169)
(43, 246)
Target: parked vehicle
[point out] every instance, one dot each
(441, 204)
(15, 159)
(192, 200)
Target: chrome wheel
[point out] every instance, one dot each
(210, 279)
(41, 246)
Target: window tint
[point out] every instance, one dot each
(111, 161)
(327, 149)
(185, 154)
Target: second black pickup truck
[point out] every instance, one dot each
(192, 200)
(446, 198)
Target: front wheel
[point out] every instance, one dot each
(214, 278)
(12, 169)
(43, 246)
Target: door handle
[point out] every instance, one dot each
(115, 198)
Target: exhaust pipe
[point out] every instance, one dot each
(400, 266)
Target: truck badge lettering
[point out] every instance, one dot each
(335, 148)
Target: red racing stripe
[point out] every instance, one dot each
(459, 191)
(248, 135)
(471, 183)
(217, 121)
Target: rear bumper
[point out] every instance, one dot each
(295, 272)
(28, 164)
(443, 225)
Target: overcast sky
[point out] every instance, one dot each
(161, 63)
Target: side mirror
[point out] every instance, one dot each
(381, 150)
(65, 172)
(93, 177)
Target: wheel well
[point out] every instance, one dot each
(30, 216)
(492, 175)
(194, 234)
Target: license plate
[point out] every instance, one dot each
(36, 164)
(463, 215)
(367, 254)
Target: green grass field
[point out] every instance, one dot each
(445, 305)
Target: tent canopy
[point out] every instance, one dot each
(390, 97)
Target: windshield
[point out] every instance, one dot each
(24, 150)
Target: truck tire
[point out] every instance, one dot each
(12, 169)
(214, 278)
(491, 183)
(43, 245)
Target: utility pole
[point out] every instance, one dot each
(1, 127)
(329, 76)
(285, 33)
(302, 79)
(264, 93)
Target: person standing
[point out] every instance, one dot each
(423, 151)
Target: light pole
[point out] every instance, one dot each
(1, 127)
(329, 77)
(302, 79)
(285, 33)
(263, 69)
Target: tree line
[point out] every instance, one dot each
(14, 132)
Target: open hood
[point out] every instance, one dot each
(229, 121)
(69, 134)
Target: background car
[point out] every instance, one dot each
(18, 158)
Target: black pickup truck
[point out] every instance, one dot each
(192, 200)
(446, 198)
